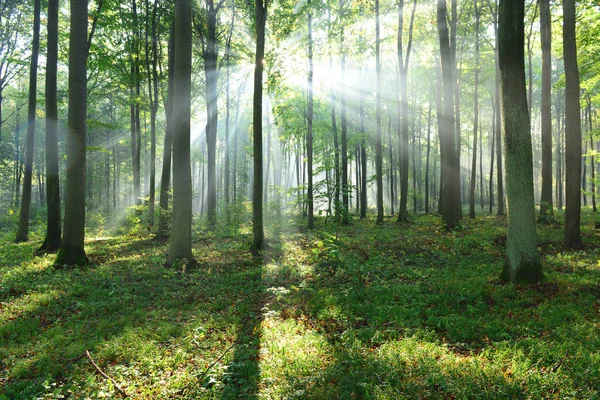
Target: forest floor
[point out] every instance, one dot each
(351, 312)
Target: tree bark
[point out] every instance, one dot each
(522, 262)
(475, 116)
(573, 129)
(163, 217)
(53, 230)
(309, 120)
(378, 149)
(180, 249)
(261, 7)
(23, 232)
(72, 247)
(450, 166)
(546, 39)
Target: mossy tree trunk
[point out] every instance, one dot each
(522, 263)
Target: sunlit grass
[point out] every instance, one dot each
(399, 311)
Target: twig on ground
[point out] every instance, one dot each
(559, 363)
(117, 387)
(202, 240)
(190, 386)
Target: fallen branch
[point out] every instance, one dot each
(202, 240)
(201, 376)
(117, 387)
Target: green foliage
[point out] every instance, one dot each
(362, 311)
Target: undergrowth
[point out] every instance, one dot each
(350, 312)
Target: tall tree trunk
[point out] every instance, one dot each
(309, 117)
(72, 247)
(153, 94)
(180, 248)
(499, 171)
(53, 230)
(363, 159)
(428, 157)
(522, 261)
(475, 116)
(23, 232)
(492, 148)
(573, 129)
(451, 188)
(378, 155)
(163, 218)
(592, 163)
(257, 201)
(344, 129)
(403, 60)
(391, 168)
(336, 150)
(226, 183)
(546, 39)
(211, 74)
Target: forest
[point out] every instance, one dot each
(312, 199)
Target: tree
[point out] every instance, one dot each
(180, 249)
(309, 122)
(72, 250)
(378, 149)
(475, 116)
(163, 217)
(53, 231)
(573, 129)
(522, 262)
(260, 12)
(450, 166)
(23, 232)
(403, 107)
(10, 67)
(546, 39)
(210, 54)
(152, 71)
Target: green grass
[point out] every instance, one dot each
(389, 312)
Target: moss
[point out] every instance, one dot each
(71, 256)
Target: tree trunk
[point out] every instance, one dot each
(450, 166)
(522, 263)
(72, 247)
(378, 155)
(53, 230)
(427, 158)
(573, 129)
(163, 218)
(546, 39)
(23, 232)
(257, 201)
(475, 116)
(492, 148)
(363, 159)
(180, 249)
(309, 117)
(592, 162)
(498, 140)
(153, 95)
(226, 182)
(403, 60)
(211, 74)
(344, 129)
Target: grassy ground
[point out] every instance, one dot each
(384, 312)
